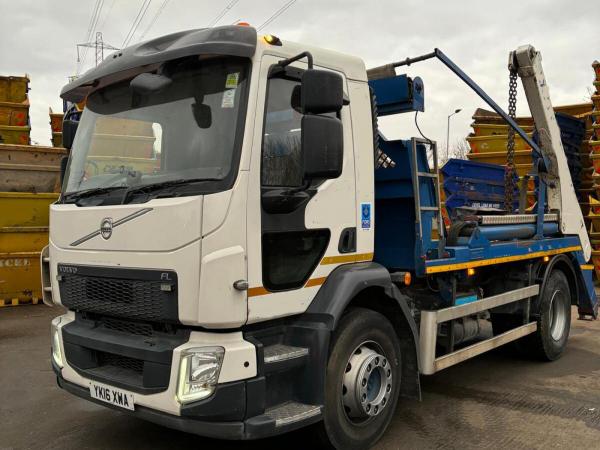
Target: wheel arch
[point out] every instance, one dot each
(563, 263)
(368, 285)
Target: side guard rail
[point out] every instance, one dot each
(431, 319)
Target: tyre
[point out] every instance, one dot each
(554, 321)
(362, 381)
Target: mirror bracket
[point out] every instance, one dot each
(283, 201)
(307, 55)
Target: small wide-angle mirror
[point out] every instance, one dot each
(148, 83)
(322, 92)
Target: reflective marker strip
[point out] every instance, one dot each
(315, 282)
(256, 291)
(340, 259)
(587, 267)
(350, 258)
(489, 262)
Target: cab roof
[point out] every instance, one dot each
(233, 40)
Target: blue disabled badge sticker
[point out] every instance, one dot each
(365, 214)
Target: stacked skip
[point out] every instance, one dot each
(56, 122)
(489, 140)
(14, 110)
(29, 180)
(593, 146)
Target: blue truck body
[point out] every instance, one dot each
(400, 246)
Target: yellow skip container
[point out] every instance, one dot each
(497, 143)
(492, 129)
(13, 89)
(20, 278)
(24, 209)
(14, 135)
(521, 157)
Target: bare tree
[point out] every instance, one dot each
(460, 149)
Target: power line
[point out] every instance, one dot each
(87, 34)
(99, 45)
(92, 19)
(276, 14)
(136, 22)
(154, 19)
(107, 14)
(222, 13)
(90, 32)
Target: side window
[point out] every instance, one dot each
(281, 155)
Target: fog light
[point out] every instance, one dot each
(199, 373)
(56, 353)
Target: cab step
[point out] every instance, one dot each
(282, 357)
(292, 412)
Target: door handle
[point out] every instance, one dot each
(240, 285)
(347, 242)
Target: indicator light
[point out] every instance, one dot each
(546, 258)
(407, 278)
(271, 40)
(243, 24)
(470, 271)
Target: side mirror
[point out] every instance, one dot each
(69, 130)
(322, 146)
(149, 83)
(63, 168)
(322, 92)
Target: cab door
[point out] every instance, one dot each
(292, 248)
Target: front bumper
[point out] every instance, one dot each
(237, 409)
(220, 430)
(224, 403)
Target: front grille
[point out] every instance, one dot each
(118, 292)
(132, 355)
(122, 362)
(139, 329)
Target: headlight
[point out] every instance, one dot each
(56, 353)
(199, 373)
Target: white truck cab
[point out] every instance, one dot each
(159, 245)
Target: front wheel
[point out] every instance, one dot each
(362, 380)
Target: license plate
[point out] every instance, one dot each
(111, 395)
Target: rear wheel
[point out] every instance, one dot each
(362, 380)
(554, 322)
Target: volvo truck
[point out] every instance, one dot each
(242, 253)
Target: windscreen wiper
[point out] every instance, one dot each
(161, 185)
(74, 196)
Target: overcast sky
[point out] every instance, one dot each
(39, 38)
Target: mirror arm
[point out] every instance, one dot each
(307, 55)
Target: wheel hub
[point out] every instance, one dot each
(557, 316)
(367, 383)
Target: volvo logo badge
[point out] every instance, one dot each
(106, 227)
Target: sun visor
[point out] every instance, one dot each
(146, 56)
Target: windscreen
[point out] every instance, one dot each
(188, 129)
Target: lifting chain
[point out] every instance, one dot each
(509, 180)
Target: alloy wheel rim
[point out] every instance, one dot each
(367, 383)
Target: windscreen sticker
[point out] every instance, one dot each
(228, 98)
(365, 216)
(232, 80)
